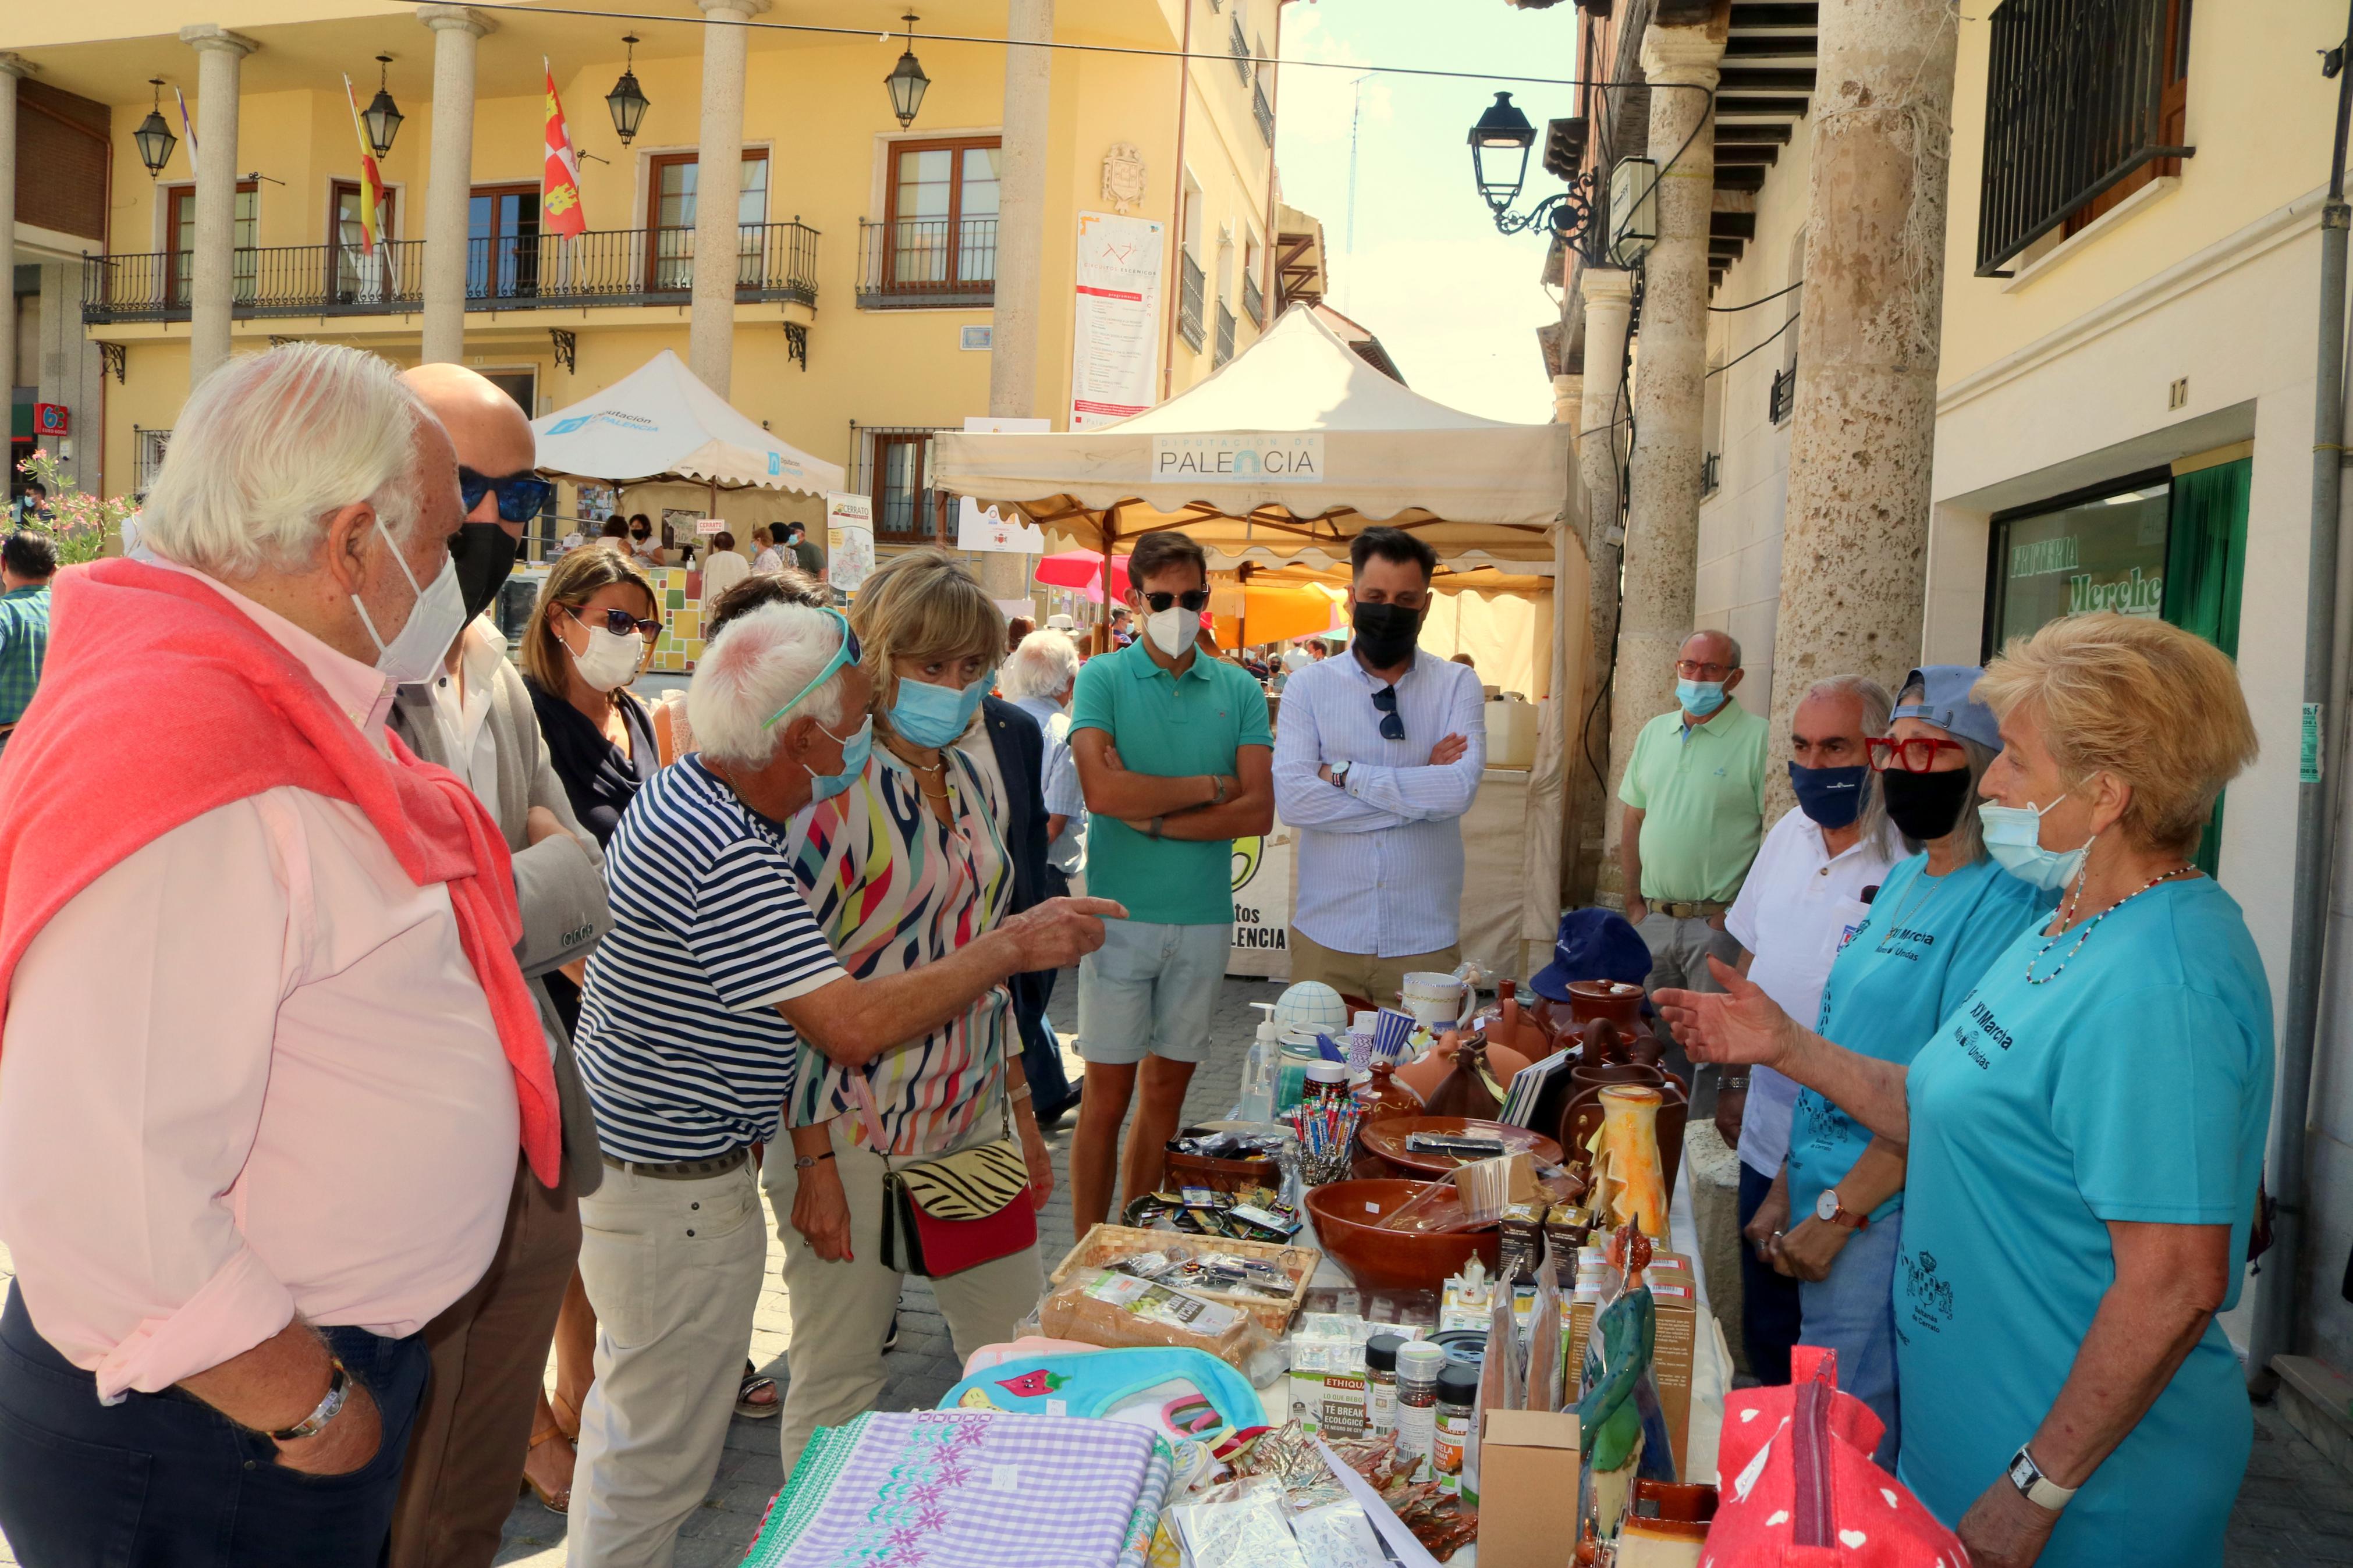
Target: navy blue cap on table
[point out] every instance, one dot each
(1593, 944)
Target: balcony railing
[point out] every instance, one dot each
(919, 263)
(1783, 399)
(1263, 112)
(1189, 298)
(775, 261)
(1255, 301)
(1711, 473)
(1225, 349)
(1240, 49)
(147, 446)
(2075, 103)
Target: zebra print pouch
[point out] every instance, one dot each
(958, 1211)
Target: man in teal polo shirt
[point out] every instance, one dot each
(1695, 797)
(1176, 760)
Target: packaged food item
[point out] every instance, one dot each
(1457, 1392)
(1263, 1223)
(1103, 1307)
(1381, 1383)
(1522, 1231)
(1418, 1365)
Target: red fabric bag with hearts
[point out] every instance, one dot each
(1802, 1489)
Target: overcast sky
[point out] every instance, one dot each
(1455, 303)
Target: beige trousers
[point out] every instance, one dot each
(841, 1310)
(1362, 974)
(673, 1270)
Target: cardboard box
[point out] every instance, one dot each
(1676, 1304)
(1527, 1490)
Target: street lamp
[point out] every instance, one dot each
(907, 80)
(154, 138)
(626, 101)
(382, 116)
(1499, 152)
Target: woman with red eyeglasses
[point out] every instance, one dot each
(1939, 920)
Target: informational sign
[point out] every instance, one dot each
(710, 525)
(1115, 343)
(975, 338)
(1257, 459)
(1262, 939)
(988, 530)
(849, 540)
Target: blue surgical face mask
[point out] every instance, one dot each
(1699, 698)
(854, 750)
(2013, 836)
(1832, 797)
(932, 715)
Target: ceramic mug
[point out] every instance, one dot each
(1434, 997)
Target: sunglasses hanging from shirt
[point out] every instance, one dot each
(1392, 726)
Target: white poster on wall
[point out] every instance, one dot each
(1115, 342)
(981, 531)
(849, 540)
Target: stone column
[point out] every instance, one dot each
(1863, 429)
(213, 267)
(718, 186)
(1020, 244)
(11, 67)
(1608, 295)
(449, 178)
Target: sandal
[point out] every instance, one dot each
(753, 1383)
(554, 1503)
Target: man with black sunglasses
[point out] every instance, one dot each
(1176, 761)
(1381, 753)
(489, 1348)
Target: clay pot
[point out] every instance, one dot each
(1347, 1216)
(1607, 1059)
(1507, 1024)
(1612, 999)
(1426, 1072)
(1385, 1098)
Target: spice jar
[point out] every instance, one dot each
(1381, 1381)
(1418, 1365)
(1458, 1391)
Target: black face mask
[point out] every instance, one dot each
(1925, 805)
(485, 554)
(1386, 633)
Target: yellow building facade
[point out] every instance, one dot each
(866, 276)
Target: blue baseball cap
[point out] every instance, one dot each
(1593, 944)
(1946, 703)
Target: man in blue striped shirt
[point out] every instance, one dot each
(1377, 755)
(690, 1026)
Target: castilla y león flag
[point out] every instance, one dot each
(559, 180)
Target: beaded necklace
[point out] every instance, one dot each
(2068, 916)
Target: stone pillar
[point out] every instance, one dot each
(1608, 295)
(11, 67)
(1863, 429)
(1020, 244)
(718, 188)
(1663, 516)
(450, 178)
(213, 267)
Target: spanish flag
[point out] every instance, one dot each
(372, 208)
(559, 180)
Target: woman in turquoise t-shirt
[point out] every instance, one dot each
(1938, 920)
(2085, 1134)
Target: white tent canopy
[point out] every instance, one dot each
(659, 421)
(1297, 445)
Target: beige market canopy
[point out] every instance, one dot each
(1295, 446)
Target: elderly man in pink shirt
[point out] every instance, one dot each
(267, 1054)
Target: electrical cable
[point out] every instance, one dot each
(1730, 310)
(1777, 332)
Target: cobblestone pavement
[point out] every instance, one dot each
(2294, 1510)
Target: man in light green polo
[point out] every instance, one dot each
(1176, 761)
(1695, 797)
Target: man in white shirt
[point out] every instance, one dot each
(1806, 893)
(1376, 759)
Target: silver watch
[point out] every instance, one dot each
(1340, 775)
(2037, 1488)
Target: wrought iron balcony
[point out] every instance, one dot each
(1783, 399)
(1263, 112)
(1190, 296)
(1255, 301)
(1241, 48)
(912, 264)
(2080, 95)
(774, 261)
(1711, 473)
(1225, 349)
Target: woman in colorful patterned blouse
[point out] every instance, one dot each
(905, 865)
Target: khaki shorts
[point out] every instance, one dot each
(1362, 974)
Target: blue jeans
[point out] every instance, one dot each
(163, 1480)
(1852, 1312)
(1768, 1302)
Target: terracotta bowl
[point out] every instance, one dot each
(1385, 1140)
(1347, 1217)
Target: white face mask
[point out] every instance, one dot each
(1172, 630)
(440, 610)
(610, 659)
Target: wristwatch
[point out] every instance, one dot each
(1340, 775)
(339, 1390)
(2037, 1488)
(1830, 1211)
